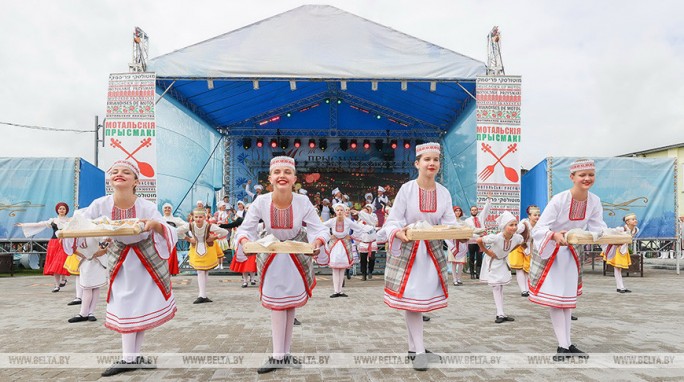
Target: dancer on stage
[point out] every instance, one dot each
(178, 224)
(92, 267)
(458, 251)
(618, 255)
(55, 256)
(555, 269)
(341, 257)
(139, 296)
(203, 252)
(258, 189)
(416, 271)
(380, 203)
(367, 241)
(495, 271)
(287, 279)
(519, 258)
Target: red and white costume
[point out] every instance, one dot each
(340, 245)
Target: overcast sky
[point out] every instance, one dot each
(600, 78)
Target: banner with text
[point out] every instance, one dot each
(130, 128)
(498, 144)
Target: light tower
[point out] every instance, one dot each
(494, 62)
(140, 51)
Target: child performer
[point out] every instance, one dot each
(55, 256)
(139, 296)
(458, 252)
(416, 272)
(618, 256)
(287, 279)
(367, 241)
(202, 254)
(92, 268)
(519, 258)
(555, 270)
(221, 217)
(178, 224)
(495, 271)
(340, 246)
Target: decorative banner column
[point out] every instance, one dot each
(498, 144)
(130, 128)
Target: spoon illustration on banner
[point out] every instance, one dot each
(510, 173)
(145, 168)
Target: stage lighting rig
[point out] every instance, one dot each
(379, 144)
(274, 143)
(407, 144)
(393, 144)
(344, 144)
(353, 144)
(312, 143)
(297, 143)
(246, 143)
(260, 142)
(366, 144)
(284, 143)
(323, 144)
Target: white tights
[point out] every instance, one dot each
(497, 291)
(618, 278)
(338, 279)
(521, 277)
(89, 301)
(560, 318)
(414, 324)
(202, 277)
(131, 344)
(282, 322)
(456, 269)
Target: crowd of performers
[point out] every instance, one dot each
(137, 270)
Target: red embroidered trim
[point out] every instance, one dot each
(282, 219)
(427, 200)
(339, 226)
(507, 245)
(578, 210)
(119, 214)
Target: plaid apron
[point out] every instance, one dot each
(539, 268)
(304, 264)
(398, 268)
(157, 267)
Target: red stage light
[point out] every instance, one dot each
(393, 144)
(366, 144)
(353, 144)
(297, 143)
(407, 144)
(260, 143)
(312, 143)
(274, 143)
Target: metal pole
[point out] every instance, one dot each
(97, 138)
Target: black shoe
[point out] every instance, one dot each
(348, 276)
(199, 300)
(370, 276)
(244, 285)
(426, 318)
(78, 318)
(573, 317)
(363, 278)
(562, 354)
(296, 322)
(145, 363)
(252, 282)
(119, 367)
(63, 283)
(420, 362)
(292, 362)
(343, 282)
(343, 295)
(525, 294)
(55, 290)
(624, 291)
(459, 283)
(91, 318)
(432, 357)
(575, 351)
(334, 295)
(270, 365)
(206, 299)
(499, 319)
(76, 301)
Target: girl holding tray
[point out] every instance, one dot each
(340, 246)
(495, 271)
(287, 279)
(519, 258)
(458, 251)
(555, 269)
(416, 271)
(139, 297)
(618, 255)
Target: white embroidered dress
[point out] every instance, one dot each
(283, 285)
(339, 257)
(424, 289)
(495, 271)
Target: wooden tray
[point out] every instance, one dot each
(252, 248)
(439, 232)
(586, 238)
(100, 232)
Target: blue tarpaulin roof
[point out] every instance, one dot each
(300, 59)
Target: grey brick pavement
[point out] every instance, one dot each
(33, 320)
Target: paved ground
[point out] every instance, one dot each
(33, 321)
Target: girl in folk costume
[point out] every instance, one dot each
(55, 256)
(93, 274)
(519, 258)
(495, 271)
(367, 241)
(618, 255)
(71, 265)
(416, 271)
(178, 224)
(380, 203)
(555, 271)
(458, 251)
(247, 268)
(203, 257)
(221, 217)
(139, 296)
(337, 197)
(287, 279)
(341, 257)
